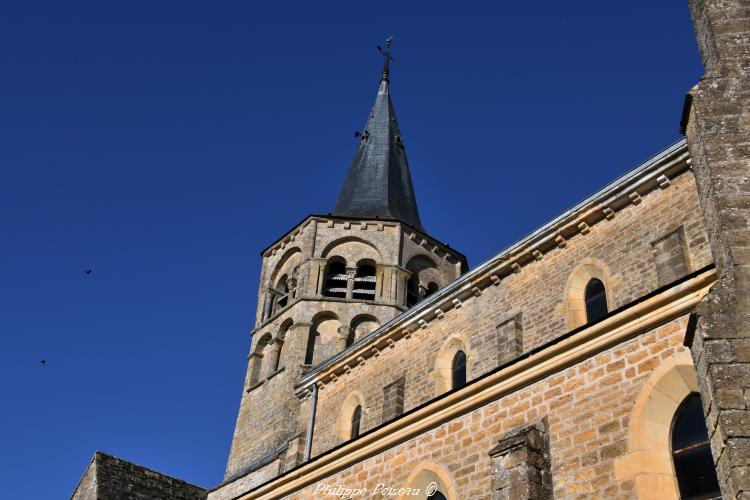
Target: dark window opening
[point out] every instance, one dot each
(436, 496)
(283, 296)
(432, 287)
(356, 418)
(364, 283)
(691, 452)
(412, 291)
(458, 370)
(335, 284)
(310, 352)
(350, 337)
(596, 300)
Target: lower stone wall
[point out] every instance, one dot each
(587, 410)
(109, 478)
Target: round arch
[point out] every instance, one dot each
(287, 263)
(352, 249)
(443, 373)
(575, 290)
(362, 325)
(344, 423)
(649, 459)
(425, 474)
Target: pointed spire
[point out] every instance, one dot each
(379, 184)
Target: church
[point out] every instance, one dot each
(604, 355)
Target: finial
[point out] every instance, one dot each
(387, 56)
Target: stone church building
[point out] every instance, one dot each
(604, 355)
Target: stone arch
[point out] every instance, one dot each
(352, 249)
(649, 458)
(420, 262)
(286, 266)
(324, 339)
(344, 423)
(444, 362)
(260, 352)
(425, 474)
(575, 289)
(361, 325)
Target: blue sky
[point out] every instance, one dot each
(163, 144)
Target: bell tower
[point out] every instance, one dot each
(331, 281)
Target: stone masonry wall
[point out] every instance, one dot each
(270, 397)
(587, 407)
(623, 245)
(111, 478)
(718, 135)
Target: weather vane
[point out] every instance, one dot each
(387, 52)
(387, 55)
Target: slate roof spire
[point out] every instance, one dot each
(379, 183)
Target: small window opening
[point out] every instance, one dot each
(356, 419)
(412, 291)
(310, 352)
(458, 370)
(596, 300)
(283, 295)
(432, 287)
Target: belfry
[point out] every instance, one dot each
(333, 280)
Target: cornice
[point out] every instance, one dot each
(640, 316)
(629, 189)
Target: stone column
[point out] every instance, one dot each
(268, 304)
(344, 332)
(718, 136)
(351, 273)
(317, 273)
(291, 286)
(273, 350)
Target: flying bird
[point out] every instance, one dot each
(87, 271)
(43, 362)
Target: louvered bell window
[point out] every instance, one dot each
(364, 283)
(335, 285)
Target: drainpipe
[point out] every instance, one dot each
(311, 423)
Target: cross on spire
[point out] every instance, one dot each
(387, 56)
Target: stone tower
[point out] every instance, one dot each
(716, 122)
(329, 282)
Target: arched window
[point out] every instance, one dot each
(356, 419)
(433, 481)
(364, 282)
(335, 284)
(691, 452)
(458, 370)
(596, 300)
